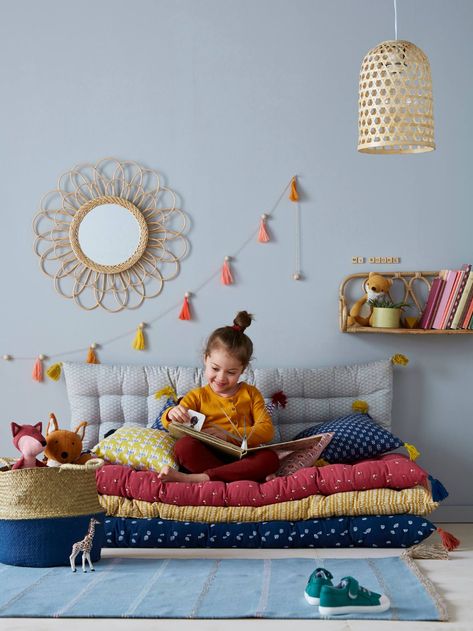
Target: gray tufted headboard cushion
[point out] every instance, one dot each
(108, 397)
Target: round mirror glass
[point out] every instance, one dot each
(109, 234)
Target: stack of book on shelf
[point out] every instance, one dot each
(450, 301)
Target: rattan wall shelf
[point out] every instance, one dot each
(407, 283)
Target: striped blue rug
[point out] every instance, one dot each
(208, 588)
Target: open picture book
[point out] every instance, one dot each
(177, 430)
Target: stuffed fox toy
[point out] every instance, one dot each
(30, 441)
(64, 446)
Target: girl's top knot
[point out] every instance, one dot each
(242, 321)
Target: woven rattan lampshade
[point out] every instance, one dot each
(395, 106)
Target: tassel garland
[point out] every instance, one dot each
(439, 492)
(449, 541)
(294, 194)
(263, 236)
(226, 274)
(54, 371)
(139, 342)
(412, 451)
(37, 373)
(91, 355)
(185, 313)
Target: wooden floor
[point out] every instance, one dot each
(453, 580)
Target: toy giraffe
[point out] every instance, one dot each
(84, 546)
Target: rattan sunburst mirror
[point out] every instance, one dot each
(110, 235)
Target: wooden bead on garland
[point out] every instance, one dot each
(8, 358)
(91, 355)
(185, 313)
(37, 374)
(139, 343)
(226, 274)
(263, 236)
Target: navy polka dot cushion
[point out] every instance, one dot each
(356, 437)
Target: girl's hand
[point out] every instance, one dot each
(179, 414)
(214, 431)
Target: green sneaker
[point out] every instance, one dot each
(317, 580)
(350, 597)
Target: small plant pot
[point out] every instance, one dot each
(386, 318)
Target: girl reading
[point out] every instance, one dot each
(230, 406)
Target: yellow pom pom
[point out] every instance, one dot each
(400, 360)
(167, 391)
(360, 406)
(139, 343)
(412, 451)
(321, 463)
(54, 371)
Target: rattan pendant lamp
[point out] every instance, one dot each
(395, 105)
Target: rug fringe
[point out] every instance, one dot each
(424, 551)
(427, 583)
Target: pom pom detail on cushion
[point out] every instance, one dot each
(138, 447)
(412, 451)
(355, 437)
(399, 360)
(360, 406)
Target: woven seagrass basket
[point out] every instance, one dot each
(44, 511)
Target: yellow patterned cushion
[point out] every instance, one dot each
(138, 447)
(415, 501)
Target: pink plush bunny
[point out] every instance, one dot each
(30, 441)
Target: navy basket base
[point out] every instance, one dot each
(47, 542)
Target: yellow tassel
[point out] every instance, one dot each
(399, 359)
(360, 406)
(412, 451)
(139, 343)
(54, 371)
(91, 356)
(294, 195)
(167, 391)
(321, 463)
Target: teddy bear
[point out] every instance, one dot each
(375, 286)
(64, 446)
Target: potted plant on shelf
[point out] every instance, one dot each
(386, 313)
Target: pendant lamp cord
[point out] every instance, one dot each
(395, 19)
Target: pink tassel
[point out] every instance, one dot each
(37, 373)
(263, 236)
(185, 311)
(226, 275)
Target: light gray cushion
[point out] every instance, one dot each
(108, 397)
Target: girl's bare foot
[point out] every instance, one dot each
(270, 477)
(168, 474)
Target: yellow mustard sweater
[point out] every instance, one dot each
(246, 405)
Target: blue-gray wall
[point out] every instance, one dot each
(229, 99)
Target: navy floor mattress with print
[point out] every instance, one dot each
(385, 531)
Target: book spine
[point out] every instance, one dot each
(451, 298)
(449, 282)
(464, 275)
(464, 303)
(469, 313)
(432, 300)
